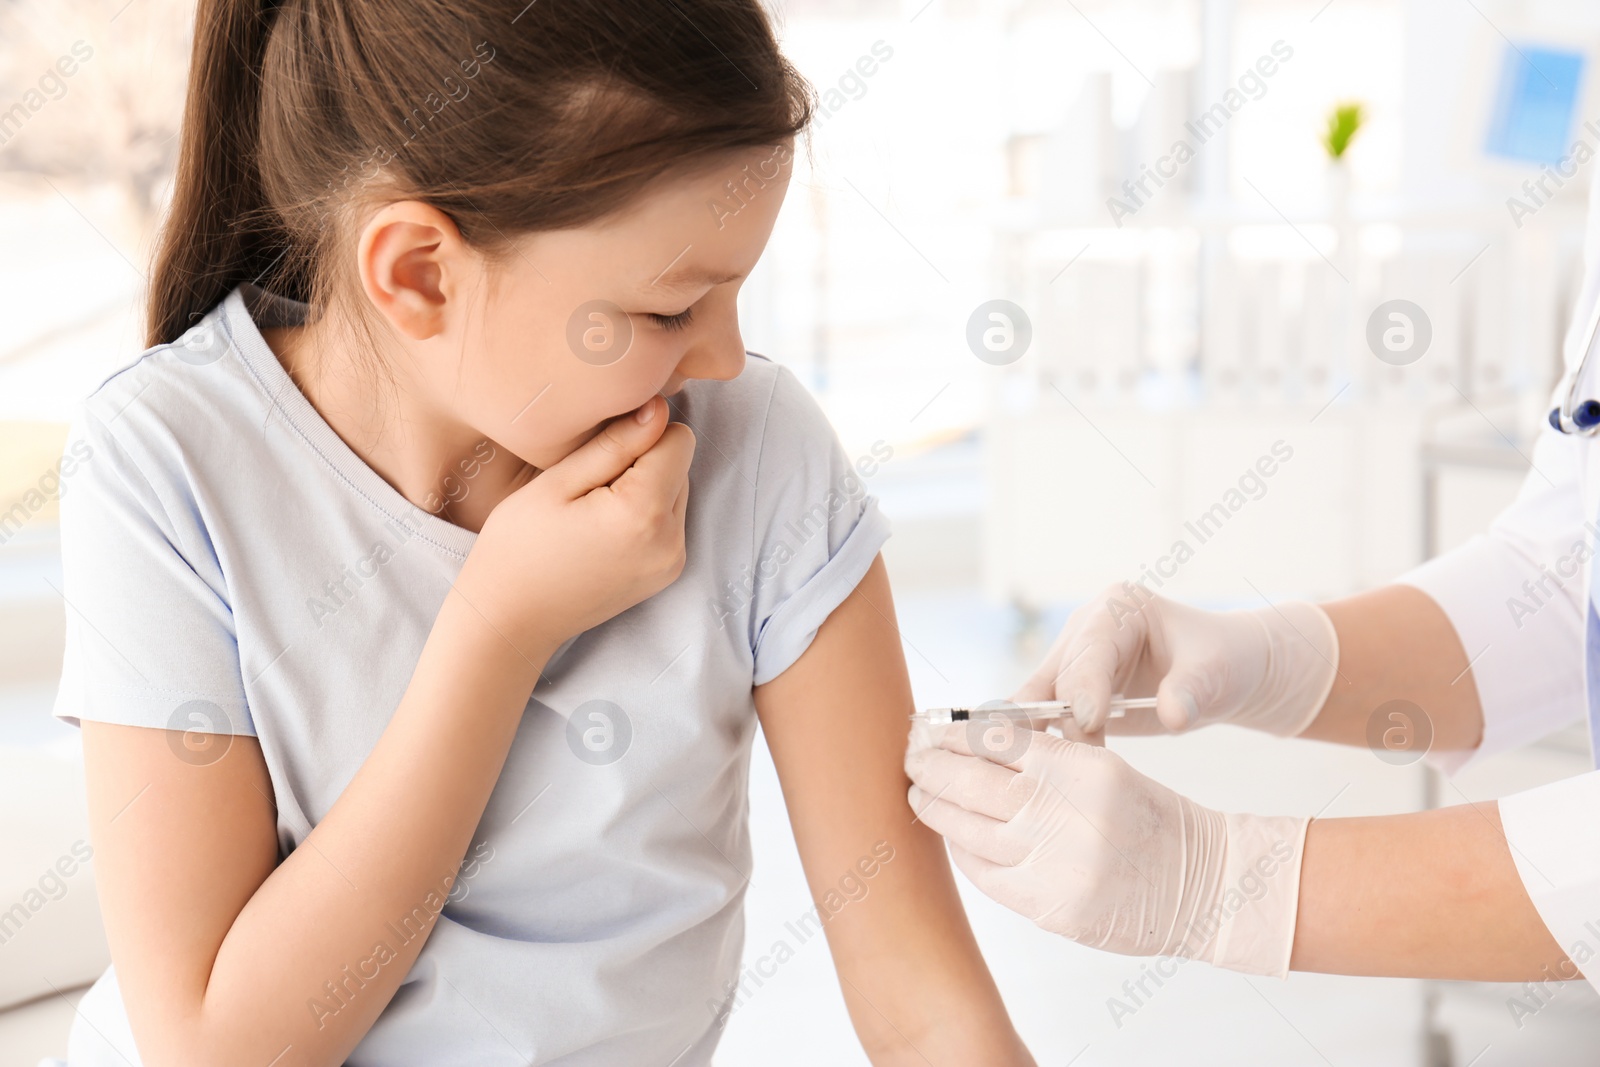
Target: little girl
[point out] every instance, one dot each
(430, 571)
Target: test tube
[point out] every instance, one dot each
(1024, 710)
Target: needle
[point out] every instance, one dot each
(1031, 709)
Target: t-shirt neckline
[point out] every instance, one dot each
(246, 310)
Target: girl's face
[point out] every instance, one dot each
(537, 351)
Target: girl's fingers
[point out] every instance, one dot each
(661, 473)
(605, 456)
(680, 506)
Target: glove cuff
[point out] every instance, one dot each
(1302, 663)
(1255, 913)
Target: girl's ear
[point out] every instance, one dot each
(413, 263)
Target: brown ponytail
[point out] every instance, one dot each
(509, 117)
(218, 230)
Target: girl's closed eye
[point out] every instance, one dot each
(673, 322)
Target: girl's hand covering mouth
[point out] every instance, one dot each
(592, 536)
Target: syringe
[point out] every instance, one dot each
(1024, 710)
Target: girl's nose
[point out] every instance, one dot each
(719, 357)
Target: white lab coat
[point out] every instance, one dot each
(1518, 598)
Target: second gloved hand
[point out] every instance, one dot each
(1270, 668)
(1072, 837)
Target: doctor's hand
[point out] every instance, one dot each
(1269, 668)
(1072, 837)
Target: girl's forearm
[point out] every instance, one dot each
(324, 942)
(1431, 894)
(913, 977)
(1396, 643)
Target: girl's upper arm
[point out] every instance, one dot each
(184, 832)
(837, 722)
(182, 821)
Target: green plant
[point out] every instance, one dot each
(1343, 123)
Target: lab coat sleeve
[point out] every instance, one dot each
(1550, 831)
(1516, 595)
(1516, 598)
(1530, 670)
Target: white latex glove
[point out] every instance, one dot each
(1073, 838)
(1271, 668)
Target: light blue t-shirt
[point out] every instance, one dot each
(231, 566)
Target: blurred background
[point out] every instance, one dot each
(1076, 266)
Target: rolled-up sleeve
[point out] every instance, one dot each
(817, 528)
(1516, 596)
